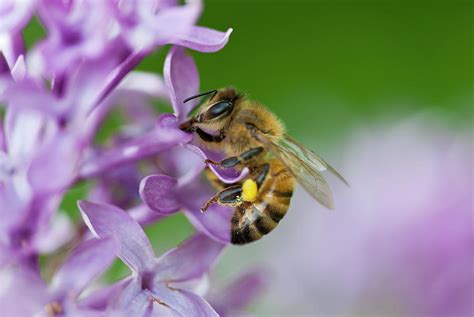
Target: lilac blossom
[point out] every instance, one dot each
(236, 295)
(25, 293)
(56, 97)
(154, 280)
(49, 129)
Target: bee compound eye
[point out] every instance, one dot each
(219, 109)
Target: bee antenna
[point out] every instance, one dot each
(213, 92)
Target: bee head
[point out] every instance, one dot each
(214, 114)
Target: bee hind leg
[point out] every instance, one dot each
(230, 196)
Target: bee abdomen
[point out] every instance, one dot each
(252, 222)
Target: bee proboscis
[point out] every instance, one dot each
(253, 137)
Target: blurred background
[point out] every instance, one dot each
(330, 69)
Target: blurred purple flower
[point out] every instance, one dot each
(24, 293)
(154, 280)
(248, 286)
(401, 239)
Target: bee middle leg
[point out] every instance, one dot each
(230, 196)
(235, 160)
(233, 194)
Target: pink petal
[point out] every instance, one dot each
(182, 79)
(228, 176)
(145, 145)
(15, 14)
(62, 150)
(4, 69)
(249, 286)
(159, 28)
(53, 235)
(26, 94)
(216, 221)
(144, 215)
(190, 260)
(107, 220)
(102, 298)
(134, 300)
(11, 46)
(203, 39)
(182, 302)
(83, 265)
(158, 192)
(22, 292)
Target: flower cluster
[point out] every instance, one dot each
(56, 97)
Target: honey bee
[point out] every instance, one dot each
(253, 137)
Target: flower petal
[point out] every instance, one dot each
(15, 14)
(144, 215)
(190, 260)
(158, 192)
(50, 237)
(22, 292)
(107, 220)
(11, 47)
(103, 298)
(182, 302)
(77, 31)
(83, 265)
(147, 84)
(228, 176)
(249, 286)
(4, 68)
(216, 221)
(148, 144)
(114, 79)
(26, 94)
(62, 150)
(203, 39)
(146, 24)
(135, 301)
(182, 79)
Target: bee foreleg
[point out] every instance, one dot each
(235, 160)
(231, 196)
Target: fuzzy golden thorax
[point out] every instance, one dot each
(225, 122)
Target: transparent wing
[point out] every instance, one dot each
(309, 157)
(305, 165)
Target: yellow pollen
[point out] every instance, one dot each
(249, 190)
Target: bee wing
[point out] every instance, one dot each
(305, 165)
(309, 156)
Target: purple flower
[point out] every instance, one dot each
(24, 293)
(49, 125)
(400, 241)
(248, 286)
(154, 280)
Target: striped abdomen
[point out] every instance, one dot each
(252, 220)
